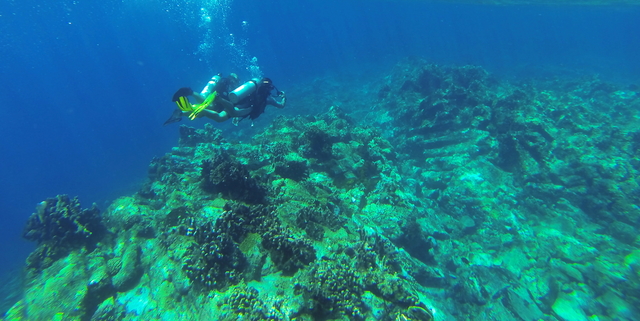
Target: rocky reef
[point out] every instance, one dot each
(453, 196)
(60, 226)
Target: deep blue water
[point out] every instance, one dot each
(86, 85)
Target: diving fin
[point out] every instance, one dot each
(210, 99)
(199, 108)
(175, 117)
(182, 92)
(184, 104)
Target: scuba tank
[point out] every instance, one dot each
(211, 85)
(243, 91)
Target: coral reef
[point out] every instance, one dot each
(444, 193)
(126, 270)
(499, 163)
(313, 220)
(335, 290)
(244, 301)
(191, 137)
(214, 259)
(232, 180)
(287, 252)
(59, 226)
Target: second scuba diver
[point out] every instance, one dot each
(216, 101)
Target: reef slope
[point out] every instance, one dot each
(452, 196)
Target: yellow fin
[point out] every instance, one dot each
(184, 104)
(199, 108)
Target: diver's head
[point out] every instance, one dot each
(267, 82)
(265, 85)
(233, 80)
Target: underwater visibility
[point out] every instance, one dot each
(283, 162)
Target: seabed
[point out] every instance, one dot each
(454, 195)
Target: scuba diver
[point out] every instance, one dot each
(216, 102)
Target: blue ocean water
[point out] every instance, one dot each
(86, 85)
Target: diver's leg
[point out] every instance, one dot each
(219, 117)
(240, 112)
(225, 104)
(199, 98)
(233, 110)
(176, 116)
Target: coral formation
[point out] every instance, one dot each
(214, 259)
(221, 174)
(444, 193)
(288, 253)
(244, 301)
(191, 137)
(335, 290)
(313, 220)
(59, 226)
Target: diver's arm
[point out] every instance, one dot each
(280, 104)
(240, 112)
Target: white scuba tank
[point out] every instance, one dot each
(210, 85)
(243, 91)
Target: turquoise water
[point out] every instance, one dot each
(86, 88)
